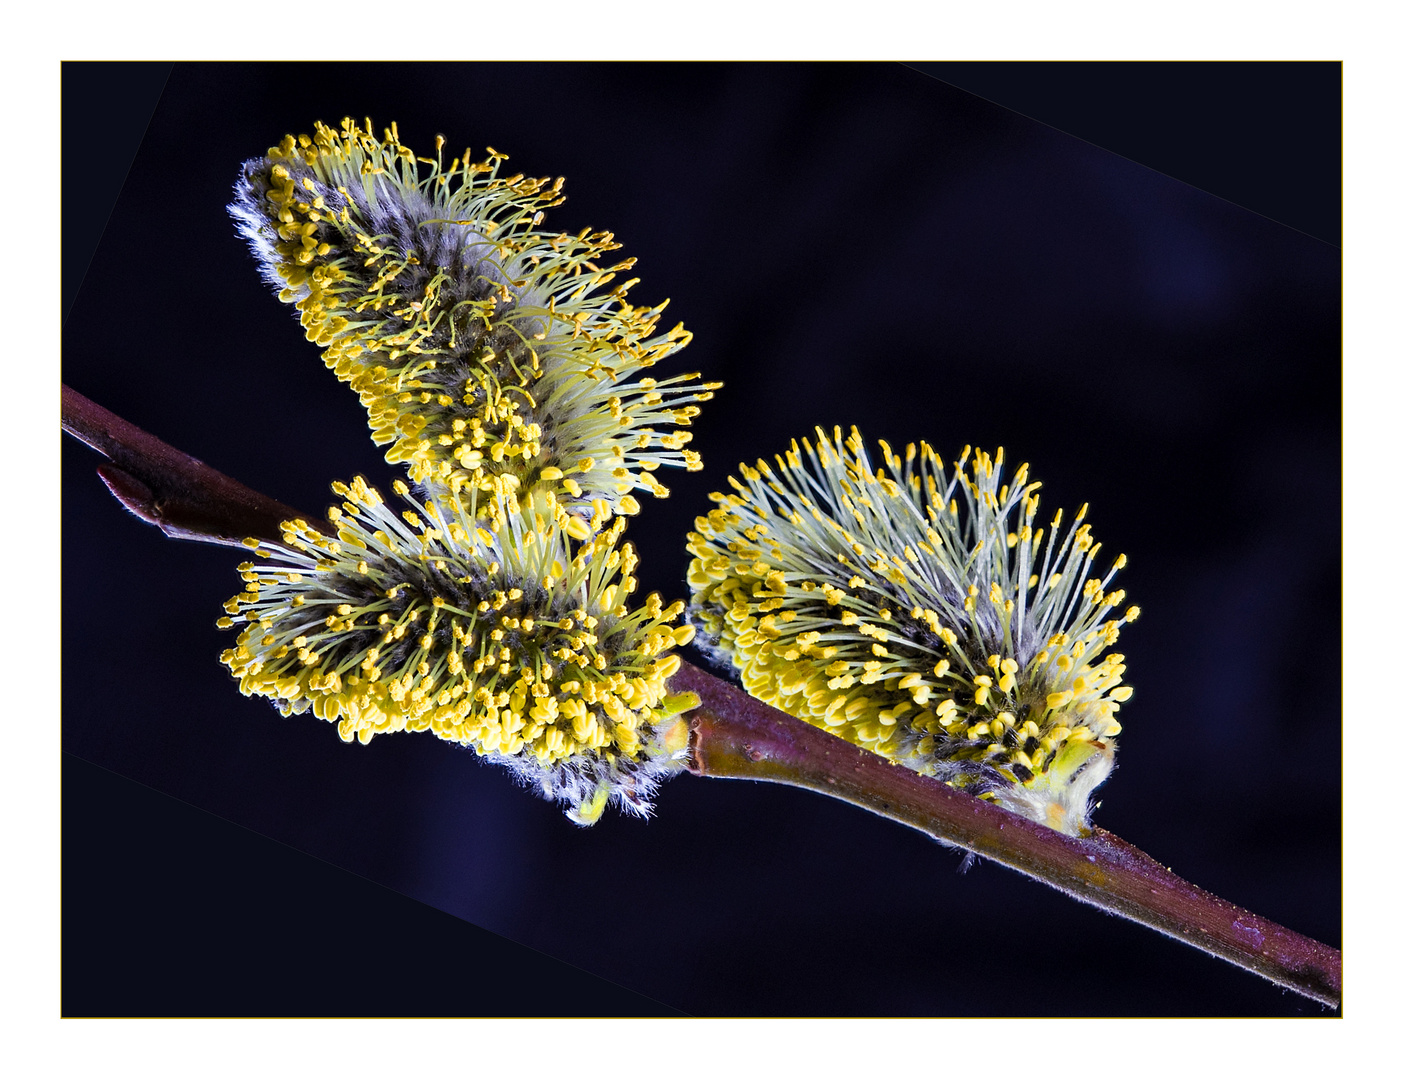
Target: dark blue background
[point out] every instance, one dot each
(850, 244)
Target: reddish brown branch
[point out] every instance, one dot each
(734, 735)
(179, 494)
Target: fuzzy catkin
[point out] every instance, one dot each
(920, 615)
(522, 647)
(486, 350)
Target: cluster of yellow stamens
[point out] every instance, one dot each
(921, 625)
(520, 645)
(487, 351)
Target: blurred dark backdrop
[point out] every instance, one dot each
(851, 244)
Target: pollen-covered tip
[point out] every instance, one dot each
(918, 613)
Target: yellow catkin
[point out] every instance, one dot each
(916, 611)
(403, 623)
(487, 351)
